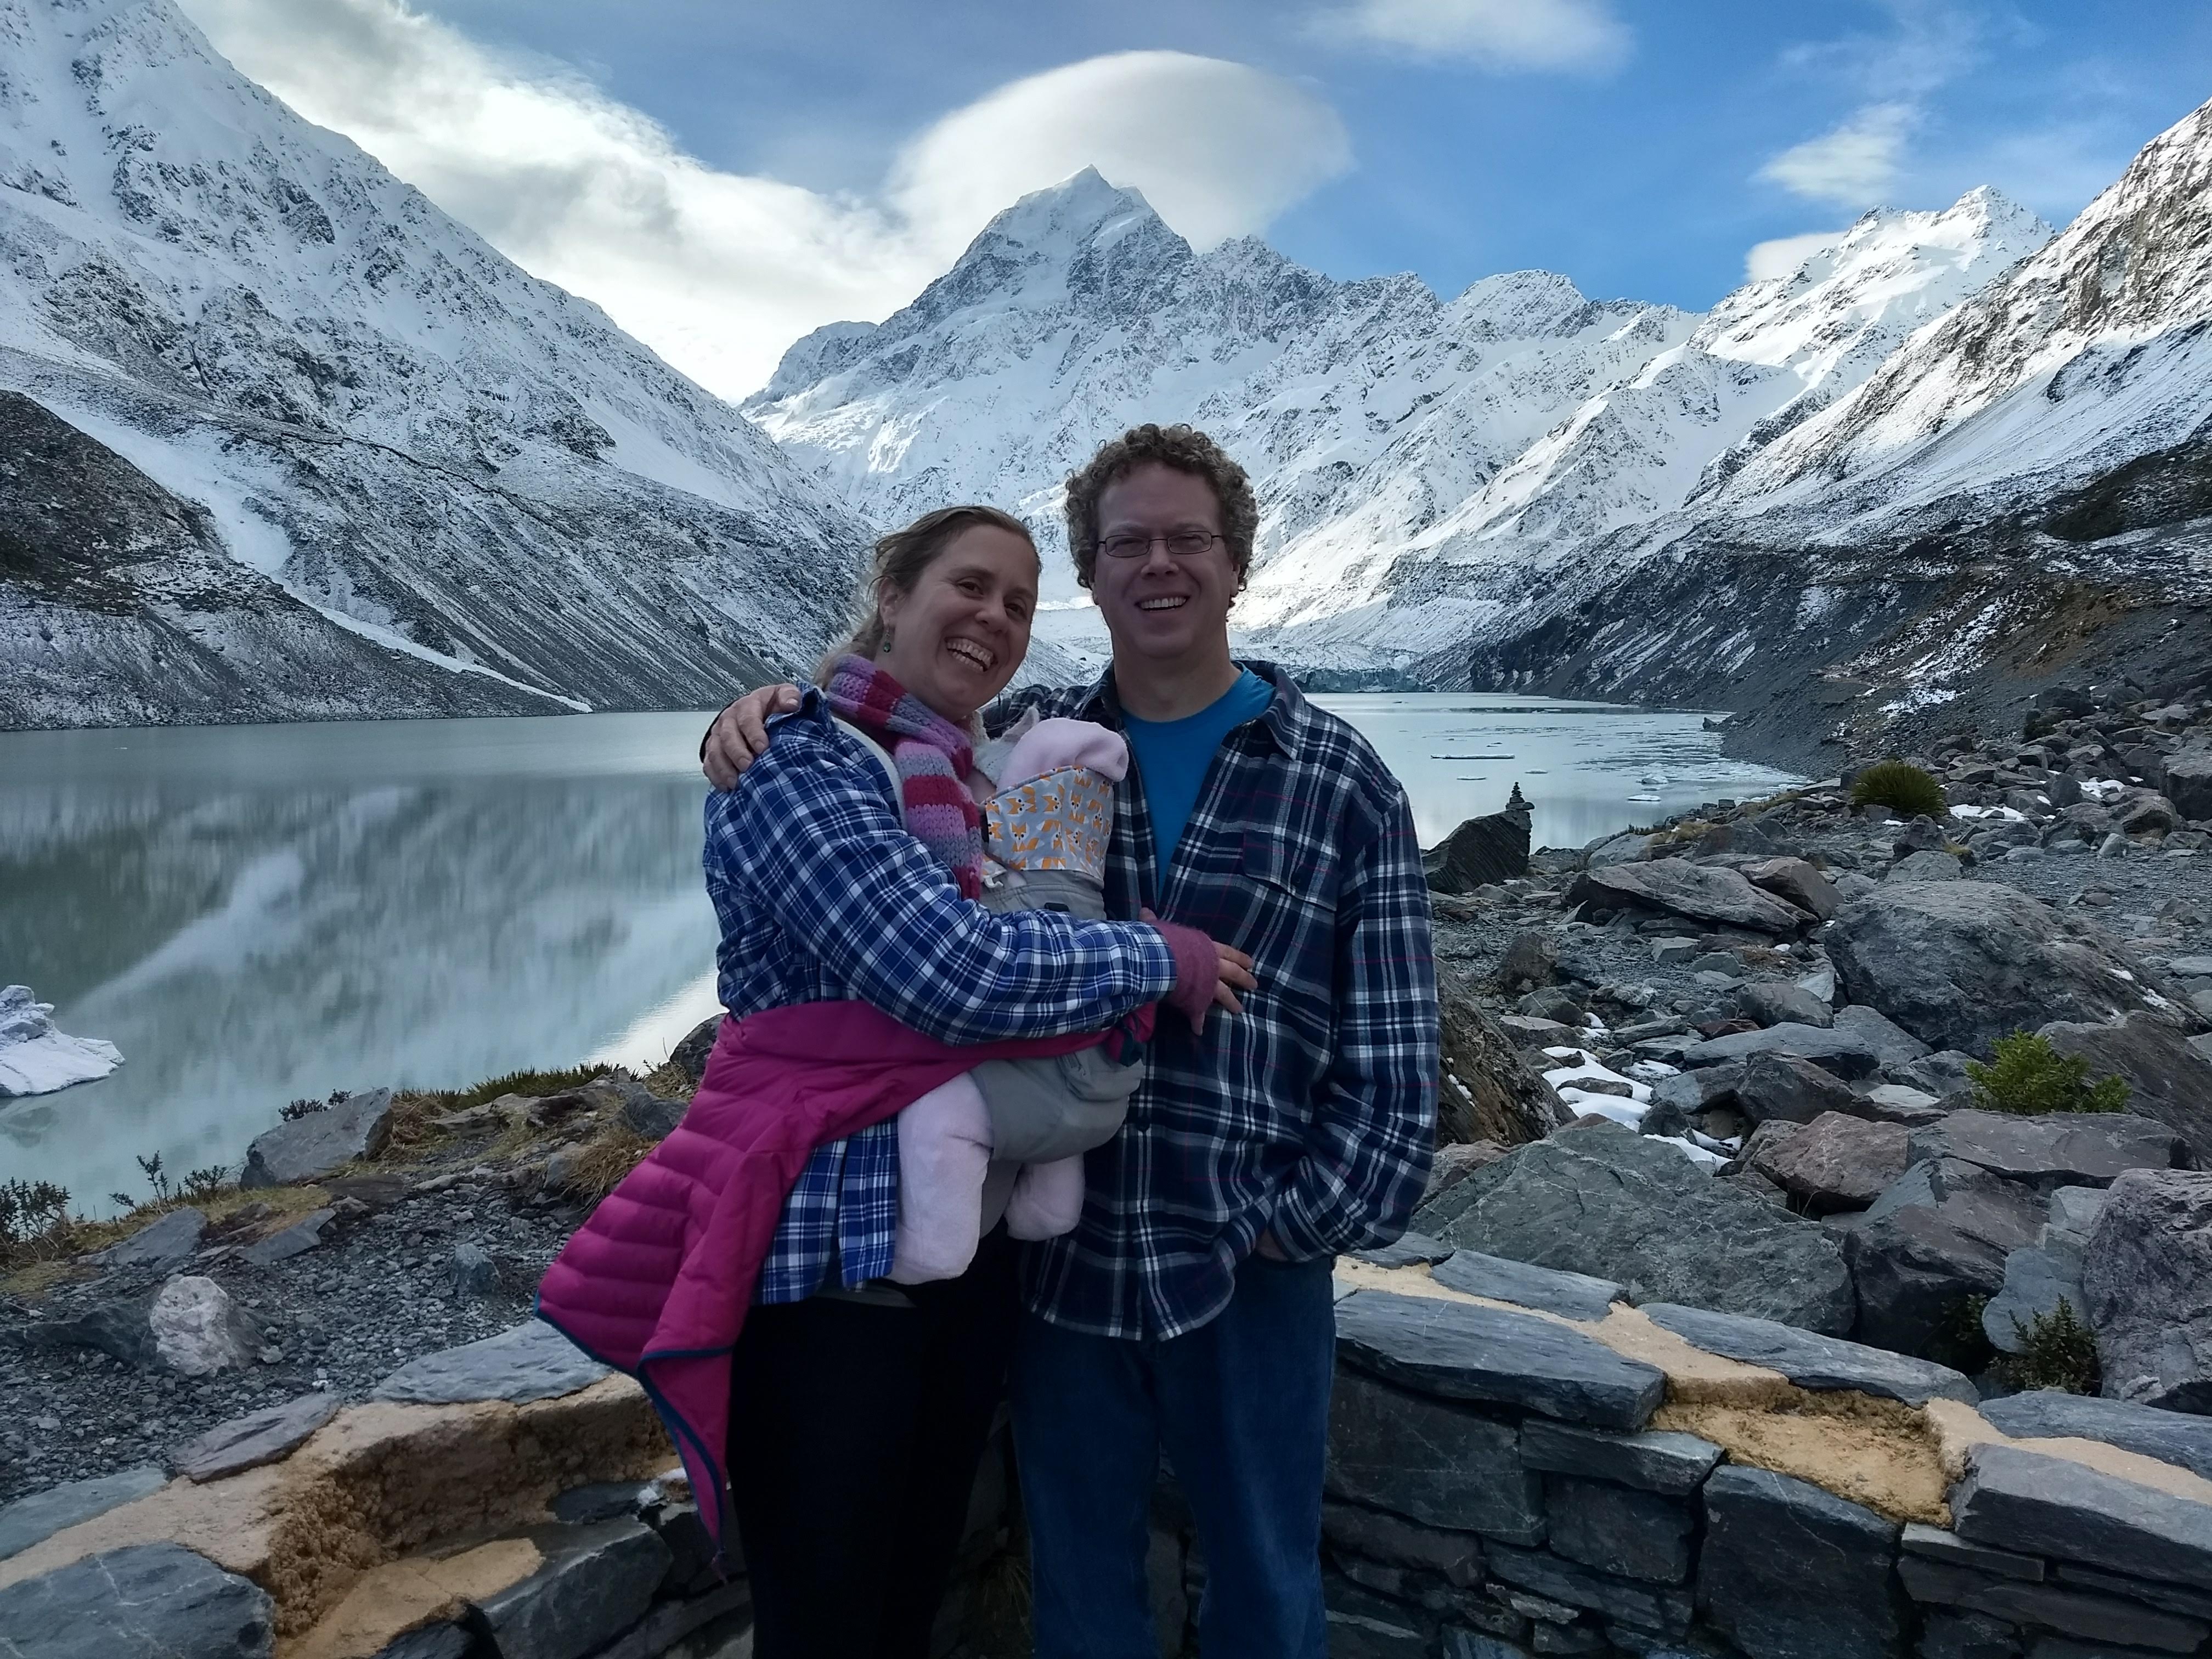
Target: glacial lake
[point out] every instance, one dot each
(255, 913)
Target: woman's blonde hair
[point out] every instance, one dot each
(898, 562)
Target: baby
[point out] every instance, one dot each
(1008, 1138)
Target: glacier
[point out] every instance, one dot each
(36, 1059)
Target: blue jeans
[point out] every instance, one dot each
(1241, 1407)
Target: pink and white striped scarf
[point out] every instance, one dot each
(933, 757)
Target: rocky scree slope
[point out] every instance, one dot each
(1418, 457)
(384, 457)
(2021, 494)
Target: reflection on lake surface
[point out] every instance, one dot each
(254, 914)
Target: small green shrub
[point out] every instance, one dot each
(34, 1222)
(2056, 1351)
(1902, 787)
(2030, 1077)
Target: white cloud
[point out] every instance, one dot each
(1855, 164)
(719, 271)
(1782, 256)
(1497, 34)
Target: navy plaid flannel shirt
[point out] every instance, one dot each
(1312, 1114)
(822, 896)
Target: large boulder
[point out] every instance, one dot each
(2189, 781)
(1961, 963)
(2168, 1077)
(1798, 882)
(2146, 1278)
(1938, 1236)
(356, 1126)
(1480, 853)
(1835, 1162)
(1770, 1002)
(2057, 1149)
(1486, 1092)
(1844, 1053)
(144, 1599)
(1785, 1089)
(1604, 1200)
(1700, 893)
(189, 1325)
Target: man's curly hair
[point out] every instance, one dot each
(1187, 450)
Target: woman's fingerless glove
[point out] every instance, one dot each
(1198, 969)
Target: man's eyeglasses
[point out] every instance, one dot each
(1182, 543)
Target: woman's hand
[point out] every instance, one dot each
(1209, 973)
(738, 736)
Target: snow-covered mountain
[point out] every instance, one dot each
(290, 442)
(1416, 457)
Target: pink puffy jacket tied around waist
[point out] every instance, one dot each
(656, 1282)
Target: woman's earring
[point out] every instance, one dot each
(888, 633)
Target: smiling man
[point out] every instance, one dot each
(1191, 1310)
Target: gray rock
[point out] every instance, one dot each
(651, 1115)
(1939, 1235)
(1934, 1544)
(259, 1437)
(1456, 1557)
(1482, 851)
(1899, 1103)
(660, 1634)
(1892, 1043)
(1486, 1090)
(2191, 967)
(1822, 1364)
(159, 1246)
(1431, 1463)
(2077, 1613)
(1673, 952)
(198, 1330)
(532, 1361)
(154, 1601)
(119, 1328)
(2167, 1079)
(595, 1582)
(1461, 1351)
(301, 1237)
(1628, 1533)
(2176, 1438)
(1789, 1572)
(1795, 1091)
(691, 1054)
(28, 1521)
(1961, 963)
(1697, 891)
(1624, 848)
(1948, 1635)
(1606, 1201)
(2146, 1286)
(602, 1500)
(2058, 1149)
(1647, 1607)
(1797, 882)
(428, 1642)
(1942, 1073)
(1657, 1460)
(1930, 865)
(1768, 1002)
(320, 1142)
(1920, 835)
(1835, 1162)
(1838, 1052)
(2192, 1604)
(1531, 958)
(1576, 1296)
(1692, 1092)
(2188, 781)
(2036, 1281)
(2038, 1505)
(471, 1272)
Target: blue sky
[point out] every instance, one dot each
(723, 175)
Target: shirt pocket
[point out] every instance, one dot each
(1287, 912)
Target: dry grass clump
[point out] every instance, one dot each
(414, 1111)
(598, 1166)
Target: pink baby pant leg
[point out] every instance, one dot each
(945, 1148)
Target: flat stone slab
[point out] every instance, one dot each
(1841, 1052)
(1701, 892)
(2047, 1413)
(31, 1520)
(145, 1601)
(320, 1142)
(301, 1237)
(533, 1361)
(1822, 1363)
(1412, 1250)
(1459, 1350)
(257, 1437)
(596, 1582)
(1438, 1464)
(2020, 1500)
(2059, 1149)
(1664, 1461)
(1789, 1570)
(159, 1246)
(1574, 1296)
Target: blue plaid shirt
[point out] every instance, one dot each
(1311, 1114)
(822, 896)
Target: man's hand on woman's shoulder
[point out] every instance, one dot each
(738, 736)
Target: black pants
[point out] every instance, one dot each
(854, 1435)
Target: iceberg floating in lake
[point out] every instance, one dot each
(34, 1058)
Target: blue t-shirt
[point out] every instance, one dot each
(1172, 757)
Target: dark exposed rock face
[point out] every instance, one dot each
(1486, 1091)
(1793, 1572)
(1606, 1201)
(144, 1599)
(1959, 964)
(2147, 1278)
(2168, 1078)
(2054, 1149)
(320, 1142)
(1937, 1237)
(1481, 851)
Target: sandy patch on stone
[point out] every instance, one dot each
(1961, 1428)
(1875, 1452)
(388, 1600)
